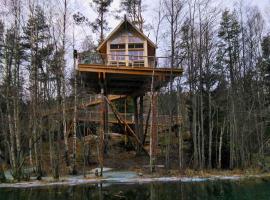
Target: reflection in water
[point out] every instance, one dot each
(250, 189)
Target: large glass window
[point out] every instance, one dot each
(118, 55)
(135, 55)
(117, 46)
(135, 46)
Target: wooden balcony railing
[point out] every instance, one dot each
(126, 60)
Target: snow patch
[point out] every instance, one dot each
(118, 177)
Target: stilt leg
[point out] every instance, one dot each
(153, 132)
(141, 133)
(101, 132)
(136, 119)
(106, 129)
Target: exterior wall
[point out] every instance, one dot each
(129, 59)
(151, 56)
(145, 53)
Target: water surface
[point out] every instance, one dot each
(226, 189)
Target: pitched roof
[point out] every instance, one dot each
(118, 27)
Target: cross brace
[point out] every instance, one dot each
(123, 123)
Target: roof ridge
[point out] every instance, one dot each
(119, 26)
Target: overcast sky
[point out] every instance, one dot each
(151, 5)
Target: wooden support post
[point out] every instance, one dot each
(153, 132)
(103, 136)
(136, 119)
(147, 124)
(126, 138)
(101, 132)
(140, 131)
(106, 129)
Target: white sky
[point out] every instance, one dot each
(151, 6)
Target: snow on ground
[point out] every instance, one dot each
(112, 177)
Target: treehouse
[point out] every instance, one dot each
(124, 63)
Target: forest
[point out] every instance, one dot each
(223, 97)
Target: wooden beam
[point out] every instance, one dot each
(147, 71)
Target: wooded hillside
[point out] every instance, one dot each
(223, 97)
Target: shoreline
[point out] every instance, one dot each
(79, 180)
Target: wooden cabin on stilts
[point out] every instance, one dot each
(126, 65)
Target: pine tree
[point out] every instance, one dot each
(133, 9)
(229, 33)
(101, 7)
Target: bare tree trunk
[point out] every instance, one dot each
(194, 131)
(200, 59)
(74, 170)
(50, 130)
(210, 127)
(220, 145)
(11, 138)
(192, 86)
(153, 131)
(63, 83)
(12, 145)
(56, 166)
(180, 137)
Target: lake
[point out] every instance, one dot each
(221, 189)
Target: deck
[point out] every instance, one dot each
(119, 78)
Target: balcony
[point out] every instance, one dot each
(122, 60)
